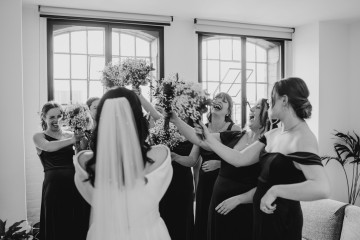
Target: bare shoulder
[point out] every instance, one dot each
(38, 135)
(235, 127)
(307, 142)
(84, 157)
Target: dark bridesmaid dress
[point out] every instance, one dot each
(204, 192)
(232, 181)
(64, 213)
(176, 207)
(287, 220)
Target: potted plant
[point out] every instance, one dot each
(347, 150)
(14, 233)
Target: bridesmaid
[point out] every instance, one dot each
(291, 170)
(92, 104)
(176, 206)
(220, 119)
(64, 213)
(235, 221)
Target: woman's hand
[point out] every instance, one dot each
(228, 205)
(266, 204)
(210, 165)
(174, 156)
(78, 135)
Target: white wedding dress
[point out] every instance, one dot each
(142, 201)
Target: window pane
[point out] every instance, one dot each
(78, 42)
(261, 72)
(250, 52)
(79, 66)
(61, 66)
(213, 70)
(225, 49)
(251, 92)
(237, 49)
(127, 45)
(115, 44)
(142, 48)
(213, 88)
(251, 72)
(61, 43)
(79, 91)
(204, 70)
(203, 46)
(96, 42)
(213, 49)
(261, 91)
(230, 72)
(261, 54)
(62, 91)
(97, 64)
(237, 113)
(96, 89)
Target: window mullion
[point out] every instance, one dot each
(243, 82)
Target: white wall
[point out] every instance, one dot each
(306, 66)
(334, 96)
(35, 96)
(181, 49)
(354, 76)
(326, 55)
(12, 174)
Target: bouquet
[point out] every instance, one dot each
(170, 137)
(165, 93)
(186, 98)
(135, 72)
(77, 117)
(112, 77)
(191, 101)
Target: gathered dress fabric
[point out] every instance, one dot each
(64, 212)
(232, 181)
(287, 220)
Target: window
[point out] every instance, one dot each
(78, 52)
(221, 63)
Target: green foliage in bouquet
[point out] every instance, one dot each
(347, 151)
(111, 76)
(14, 232)
(135, 72)
(77, 117)
(169, 137)
(131, 71)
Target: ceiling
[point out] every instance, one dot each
(286, 13)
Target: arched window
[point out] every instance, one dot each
(223, 59)
(78, 52)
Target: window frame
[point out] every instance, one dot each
(108, 26)
(281, 43)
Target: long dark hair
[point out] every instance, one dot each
(297, 92)
(264, 117)
(140, 121)
(47, 106)
(227, 97)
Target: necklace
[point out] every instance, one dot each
(291, 128)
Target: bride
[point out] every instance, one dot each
(123, 178)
